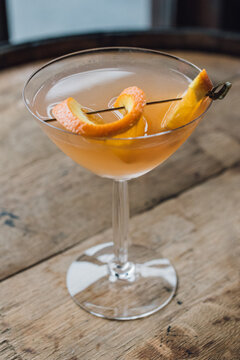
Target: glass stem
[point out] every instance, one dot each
(120, 219)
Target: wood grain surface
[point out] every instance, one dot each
(199, 232)
(41, 209)
(188, 208)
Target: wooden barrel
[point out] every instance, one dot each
(180, 39)
(51, 210)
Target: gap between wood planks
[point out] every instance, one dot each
(150, 207)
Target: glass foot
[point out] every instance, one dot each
(134, 291)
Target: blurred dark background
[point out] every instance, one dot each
(43, 29)
(27, 20)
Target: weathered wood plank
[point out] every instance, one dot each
(199, 231)
(209, 330)
(48, 203)
(7, 352)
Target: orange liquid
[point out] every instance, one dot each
(97, 89)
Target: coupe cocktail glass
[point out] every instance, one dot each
(116, 280)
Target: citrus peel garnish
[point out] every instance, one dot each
(139, 129)
(121, 144)
(73, 117)
(183, 111)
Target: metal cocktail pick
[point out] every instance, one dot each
(122, 107)
(218, 92)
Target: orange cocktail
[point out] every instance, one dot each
(115, 280)
(130, 153)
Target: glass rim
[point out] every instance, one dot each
(105, 49)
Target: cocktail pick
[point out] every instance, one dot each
(122, 107)
(218, 92)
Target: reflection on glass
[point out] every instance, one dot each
(116, 281)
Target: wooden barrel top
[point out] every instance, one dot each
(209, 40)
(189, 207)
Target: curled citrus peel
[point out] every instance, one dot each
(183, 111)
(72, 116)
(139, 129)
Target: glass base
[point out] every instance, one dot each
(130, 292)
